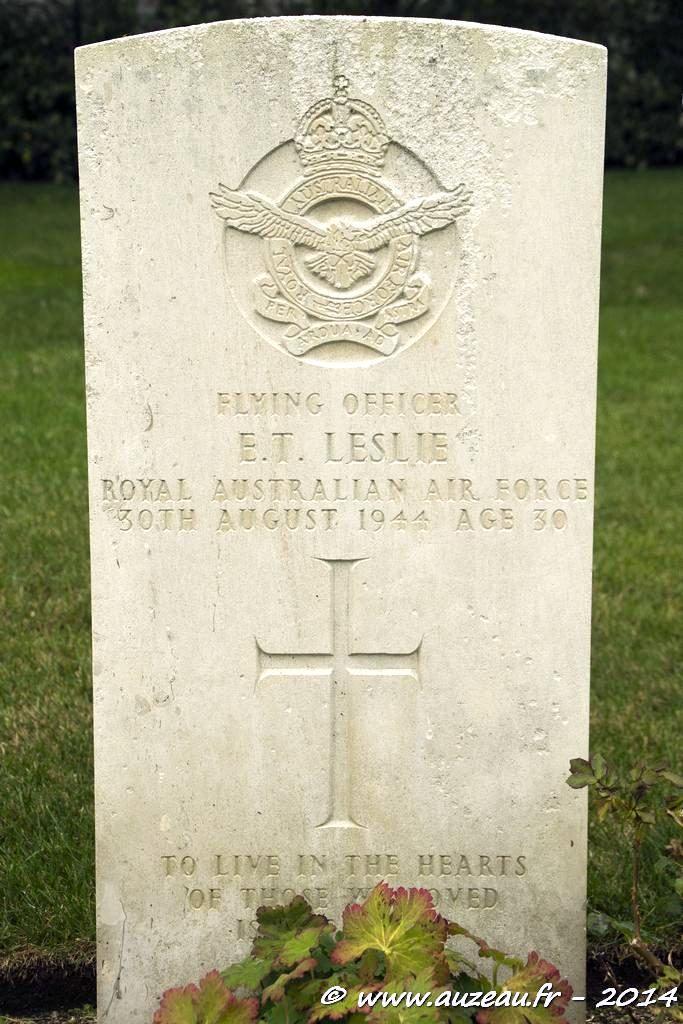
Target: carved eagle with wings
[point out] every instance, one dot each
(342, 246)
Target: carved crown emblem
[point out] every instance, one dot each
(341, 245)
(341, 131)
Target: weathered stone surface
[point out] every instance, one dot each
(341, 464)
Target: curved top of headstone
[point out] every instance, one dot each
(303, 21)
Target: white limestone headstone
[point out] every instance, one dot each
(341, 295)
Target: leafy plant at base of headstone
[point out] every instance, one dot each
(393, 943)
(637, 801)
(210, 1001)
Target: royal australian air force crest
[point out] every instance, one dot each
(355, 257)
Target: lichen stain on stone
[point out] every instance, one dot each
(142, 706)
(526, 73)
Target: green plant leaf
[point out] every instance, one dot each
(403, 924)
(672, 777)
(598, 924)
(372, 965)
(602, 809)
(298, 947)
(287, 935)
(275, 991)
(210, 1002)
(529, 979)
(579, 781)
(177, 1007)
(599, 766)
(581, 766)
(249, 973)
(278, 1013)
(670, 974)
(306, 993)
(625, 928)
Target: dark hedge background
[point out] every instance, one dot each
(37, 38)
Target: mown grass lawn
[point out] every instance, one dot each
(46, 820)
